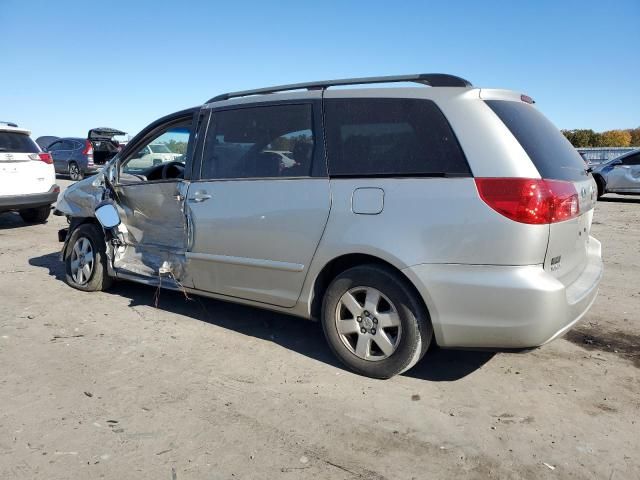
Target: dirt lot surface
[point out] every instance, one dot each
(105, 385)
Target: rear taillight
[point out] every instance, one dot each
(530, 200)
(43, 157)
(88, 150)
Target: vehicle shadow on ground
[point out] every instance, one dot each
(11, 220)
(633, 199)
(289, 332)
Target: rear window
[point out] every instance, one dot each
(17, 143)
(551, 153)
(390, 137)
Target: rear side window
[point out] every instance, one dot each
(551, 153)
(632, 160)
(259, 142)
(17, 143)
(390, 137)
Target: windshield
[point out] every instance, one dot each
(159, 148)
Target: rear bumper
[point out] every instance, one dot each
(33, 200)
(485, 306)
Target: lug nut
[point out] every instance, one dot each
(375, 320)
(359, 319)
(366, 314)
(363, 330)
(373, 331)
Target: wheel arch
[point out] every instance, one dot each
(601, 182)
(344, 262)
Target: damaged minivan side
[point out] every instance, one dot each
(394, 216)
(150, 240)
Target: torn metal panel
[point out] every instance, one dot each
(81, 198)
(152, 237)
(156, 229)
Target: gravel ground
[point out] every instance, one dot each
(106, 385)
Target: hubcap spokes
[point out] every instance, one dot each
(82, 259)
(368, 323)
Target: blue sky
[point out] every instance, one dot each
(71, 65)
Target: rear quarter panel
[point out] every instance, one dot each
(425, 221)
(430, 220)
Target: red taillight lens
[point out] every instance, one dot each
(44, 157)
(530, 200)
(88, 148)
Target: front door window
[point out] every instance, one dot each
(161, 158)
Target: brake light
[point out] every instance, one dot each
(42, 156)
(527, 99)
(88, 151)
(530, 200)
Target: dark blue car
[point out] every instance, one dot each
(77, 157)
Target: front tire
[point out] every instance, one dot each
(374, 322)
(86, 259)
(36, 215)
(74, 172)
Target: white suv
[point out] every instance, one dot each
(27, 177)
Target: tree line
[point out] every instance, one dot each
(610, 138)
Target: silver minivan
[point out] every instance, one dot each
(396, 217)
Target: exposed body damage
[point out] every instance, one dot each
(150, 241)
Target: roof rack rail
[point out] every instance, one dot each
(9, 124)
(431, 79)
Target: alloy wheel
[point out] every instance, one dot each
(82, 261)
(368, 323)
(74, 171)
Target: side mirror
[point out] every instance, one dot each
(107, 215)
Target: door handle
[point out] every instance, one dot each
(199, 196)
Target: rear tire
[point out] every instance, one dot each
(601, 187)
(36, 215)
(75, 172)
(374, 322)
(86, 259)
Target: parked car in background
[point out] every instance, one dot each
(44, 141)
(620, 175)
(401, 216)
(27, 178)
(152, 155)
(77, 157)
(72, 156)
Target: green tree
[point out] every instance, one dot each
(582, 137)
(616, 138)
(635, 137)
